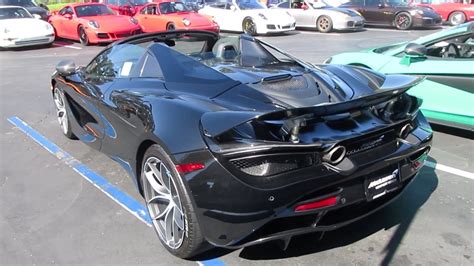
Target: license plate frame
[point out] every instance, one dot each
(379, 184)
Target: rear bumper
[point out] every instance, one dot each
(234, 213)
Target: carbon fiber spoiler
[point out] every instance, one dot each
(217, 123)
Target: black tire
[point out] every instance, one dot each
(324, 24)
(457, 18)
(83, 36)
(62, 112)
(249, 27)
(170, 27)
(193, 241)
(403, 21)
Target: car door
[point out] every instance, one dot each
(149, 18)
(224, 15)
(301, 15)
(377, 12)
(127, 114)
(61, 22)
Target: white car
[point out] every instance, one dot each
(320, 15)
(248, 16)
(19, 28)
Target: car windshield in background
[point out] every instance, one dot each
(14, 12)
(25, 3)
(319, 4)
(93, 10)
(249, 4)
(173, 7)
(397, 3)
(133, 2)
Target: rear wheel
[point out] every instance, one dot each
(457, 18)
(249, 27)
(324, 24)
(169, 204)
(403, 21)
(61, 113)
(83, 36)
(170, 27)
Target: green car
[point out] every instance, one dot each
(445, 58)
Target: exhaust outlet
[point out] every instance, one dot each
(406, 129)
(335, 155)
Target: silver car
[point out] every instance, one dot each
(320, 15)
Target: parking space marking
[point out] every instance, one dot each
(66, 45)
(450, 170)
(133, 206)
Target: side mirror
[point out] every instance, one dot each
(233, 8)
(415, 50)
(413, 53)
(68, 16)
(381, 5)
(36, 16)
(66, 67)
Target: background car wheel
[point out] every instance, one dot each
(169, 205)
(457, 18)
(83, 36)
(170, 27)
(403, 21)
(62, 113)
(324, 24)
(249, 27)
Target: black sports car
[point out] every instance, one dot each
(234, 142)
(396, 13)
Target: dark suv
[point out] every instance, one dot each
(394, 13)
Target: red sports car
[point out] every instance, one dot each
(450, 10)
(172, 15)
(125, 7)
(92, 23)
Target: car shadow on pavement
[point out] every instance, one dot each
(399, 213)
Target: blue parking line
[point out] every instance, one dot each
(123, 199)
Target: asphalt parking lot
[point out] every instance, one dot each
(50, 213)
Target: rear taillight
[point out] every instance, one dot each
(189, 167)
(317, 204)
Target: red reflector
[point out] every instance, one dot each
(317, 204)
(189, 167)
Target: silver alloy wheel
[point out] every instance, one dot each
(164, 203)
(457, 18)
(61, 113)
(324, 24)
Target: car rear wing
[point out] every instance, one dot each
(215, 124)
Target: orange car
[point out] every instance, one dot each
(172, 15)
(92, 23)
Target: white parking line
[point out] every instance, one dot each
(450, 170)
(67, 46)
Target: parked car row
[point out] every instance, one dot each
(93, 23)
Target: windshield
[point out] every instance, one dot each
(14, 12)
(173, 7)
(318, 3)
(249, 4)
(25, 3)
(93, 10)
(133, 2)
(397, 3)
